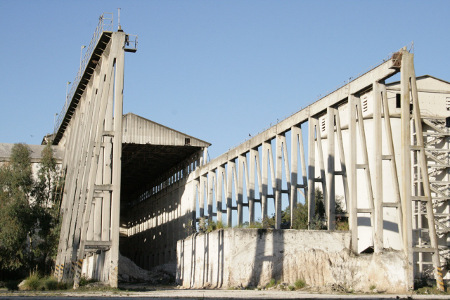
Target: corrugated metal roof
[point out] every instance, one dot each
(138, 130)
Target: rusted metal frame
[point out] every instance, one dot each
(391, 153)
(425, 179)
(352, 176)
(331, 192)
(378, 169)
(312, 124)
(295, 133)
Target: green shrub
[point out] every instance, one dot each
(33, 282)
(85, 281)
(299, 284)
(50, 283)
(220, 225)
(271, 283)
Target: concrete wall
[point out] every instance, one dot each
(252, 257)
(155, 225)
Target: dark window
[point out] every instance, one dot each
(447, 122)
(187, 141)
(398, 101)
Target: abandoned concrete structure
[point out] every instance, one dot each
(380, 148)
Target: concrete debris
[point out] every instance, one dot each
(130, 272)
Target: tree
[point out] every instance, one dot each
(29, 213)
(300, 216)
(46, 211)
(16, 218)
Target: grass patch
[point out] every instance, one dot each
(299, 284)
(271, 283)
(431, 290)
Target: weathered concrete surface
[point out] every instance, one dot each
(204, 294)
(252, 257)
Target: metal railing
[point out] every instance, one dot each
(105, 23)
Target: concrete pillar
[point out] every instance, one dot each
(278, 180)
(331, 220)
(406, 187)
(378, 169)
(117, 158)
(351, 172)
(311, 169)
(294, 170)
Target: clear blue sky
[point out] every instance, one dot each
(217, 70)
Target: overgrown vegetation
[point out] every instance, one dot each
(206, 225)
(29, 214)
(35, 282)
(299, 221)
(298, 285)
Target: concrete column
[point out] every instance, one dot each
(240, 190)
(220, 188)
(265, 179)
(378, 170)
(342, 157)
(117, 158)
(230, 170)
(211, 180)
(406, 187)
(294, 170)
(201, 196)
(352, 176)
(251, 185)
(331, 208)
(278, 179)
(311, 169)
(322, 168)
(303, 162)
